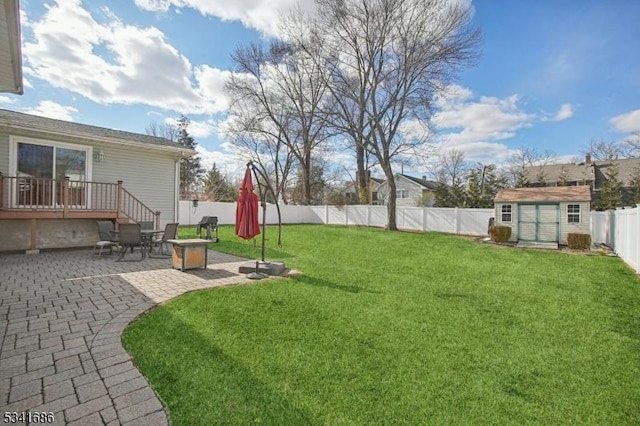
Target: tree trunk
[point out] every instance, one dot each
(391, 202)
(362, 180)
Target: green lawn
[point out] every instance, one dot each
(400, 328)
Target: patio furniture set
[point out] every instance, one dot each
(186, 254)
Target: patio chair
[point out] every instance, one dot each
(130, 237)
(209, 223)
(170, 231)
(107, 235)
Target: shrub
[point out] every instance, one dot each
(577, 241)
(500, 233)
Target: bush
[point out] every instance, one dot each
(500, 233)
(577, 241)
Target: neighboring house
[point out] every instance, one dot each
(544, 214)
(57, 178)
(593, 173)
(410, 191)
(350, 196)
(10, 51)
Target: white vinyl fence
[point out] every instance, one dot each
(620, 230)
(453, 221)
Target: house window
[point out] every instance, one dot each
(42, 166)
(506, 213)
(573, 213)
(402, 193)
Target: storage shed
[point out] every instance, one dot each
(545, 214)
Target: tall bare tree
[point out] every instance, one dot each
(521, 159)
(451, 173)
(279, 93)
(384, 61)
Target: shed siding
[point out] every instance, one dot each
(514, 219)
(583, 227)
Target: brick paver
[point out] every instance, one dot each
(62, 315)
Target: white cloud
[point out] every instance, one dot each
(52, 109)
(628, 122)
(565, 112)
(6, 100)
(112, 62)
(489, 119)
(261, 15)
(197, 129)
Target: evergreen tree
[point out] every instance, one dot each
(610, 195)
(563, 179)
(443, 195)
(483, 182)
(217, 187)
(634, 186)
(541, 177)
(190, 167)
(474, 188)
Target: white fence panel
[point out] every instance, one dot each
(460, 221)
(620, 230)
(441, 220)
(357, 215)
(410, 218)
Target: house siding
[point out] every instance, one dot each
(4, 154)
(156, 188)
(415, 196)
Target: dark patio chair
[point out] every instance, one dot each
(170, 231)
(130, 237)
(208, 223)
(107, 235)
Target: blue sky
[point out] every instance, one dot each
(552, 75)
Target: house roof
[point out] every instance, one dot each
(10, 50)
(428, 184)
(33, 125)
(627, 167)
(556, 193)
(554, 172)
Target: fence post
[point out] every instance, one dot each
(424, 219)
(346, 214)
(457, 221)
(326, 214)
(368, 214)
(157, 219)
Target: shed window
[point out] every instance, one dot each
(506, 213)
(573, 213)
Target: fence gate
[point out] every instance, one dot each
(538, 222)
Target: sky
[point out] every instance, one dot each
(551, 75)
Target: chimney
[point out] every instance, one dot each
(587, 158)
(424, 177)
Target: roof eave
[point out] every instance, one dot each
(184, 152)
(12, 13)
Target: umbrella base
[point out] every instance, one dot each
(267, 268)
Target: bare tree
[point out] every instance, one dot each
(451, 173)
(524, 158)
(604, 150)
(163, 130)
(384, 61)
(278, 93)
(631, 145)
(264, 148)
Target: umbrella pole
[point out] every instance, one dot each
(264, 220)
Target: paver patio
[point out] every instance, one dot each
(61, 319)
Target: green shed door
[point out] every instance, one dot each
(538, 222)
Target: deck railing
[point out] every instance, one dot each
(46, 195)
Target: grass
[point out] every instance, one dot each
(400, 328)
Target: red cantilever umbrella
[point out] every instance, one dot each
(247, 225)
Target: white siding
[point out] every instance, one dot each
(566, 228)
(548, 222)
(514, 219)
(527, 222)
(4, 154)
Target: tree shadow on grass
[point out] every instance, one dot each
(319, 282)
(200, 383)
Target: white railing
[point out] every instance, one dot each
(454, 221)
(620, 230)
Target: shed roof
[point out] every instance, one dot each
(556, 193)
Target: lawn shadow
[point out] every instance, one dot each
(319, 282)
(210, 274)
(202, 384)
